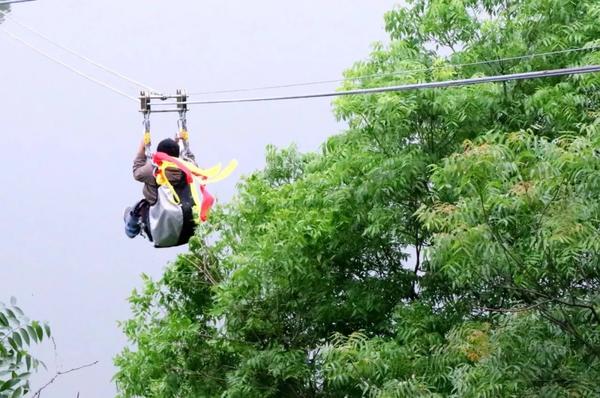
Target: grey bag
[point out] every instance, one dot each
(166, 219)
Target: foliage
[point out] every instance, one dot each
(446, 244)
(17, 333)
(526, 209)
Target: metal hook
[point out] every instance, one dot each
(146, 121)
(146, 109)
(182, 106)
(182, 121)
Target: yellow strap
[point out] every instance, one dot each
(196, 170)
(213, 171)
(184, 135)
(161, 179)
(147, 138)
(214, 174)
(223, 174)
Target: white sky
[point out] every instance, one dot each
(68, 144)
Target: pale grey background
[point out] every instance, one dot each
(67, 144)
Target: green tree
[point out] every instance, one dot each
(444, 245)
(17, 333)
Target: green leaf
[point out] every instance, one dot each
(11, 314)
(3, 320)
(17, 393)
(17, 339)
(9, 384)
(13, 344)
(32, 333)
(38, 329)
(25, 336)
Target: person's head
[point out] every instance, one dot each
(168, 146)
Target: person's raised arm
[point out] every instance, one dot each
(142, 167)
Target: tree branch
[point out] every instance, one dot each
(203, 270)
(568, 327)
(516, 309)
(587, 306)
(38, 393)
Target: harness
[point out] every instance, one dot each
(195, 177)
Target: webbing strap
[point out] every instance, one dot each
(196, 177)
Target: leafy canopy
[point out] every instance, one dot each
(444, 245)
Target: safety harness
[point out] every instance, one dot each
(195, 177)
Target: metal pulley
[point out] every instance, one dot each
(180, 106)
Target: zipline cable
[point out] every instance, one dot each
(407, 87)
(440, 84)
(400, 73)
(13, 1)
(76, 54)
(72, 69)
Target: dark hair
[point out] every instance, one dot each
(168, 146)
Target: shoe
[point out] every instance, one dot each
(132, 223)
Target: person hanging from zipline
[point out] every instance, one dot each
(143, 171)
(173, 185)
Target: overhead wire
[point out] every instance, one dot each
(72, 69)
(80, 56)
(13, 1)
(406, 87)
(398, 73)
(450, 83)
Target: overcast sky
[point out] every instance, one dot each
(68, 144)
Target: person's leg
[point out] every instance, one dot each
(132, 222)
(143, 209)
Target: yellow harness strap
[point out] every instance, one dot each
(200, 177)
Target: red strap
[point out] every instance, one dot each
(207, 201)
(159, 157)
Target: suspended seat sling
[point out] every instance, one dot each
(179, 209)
